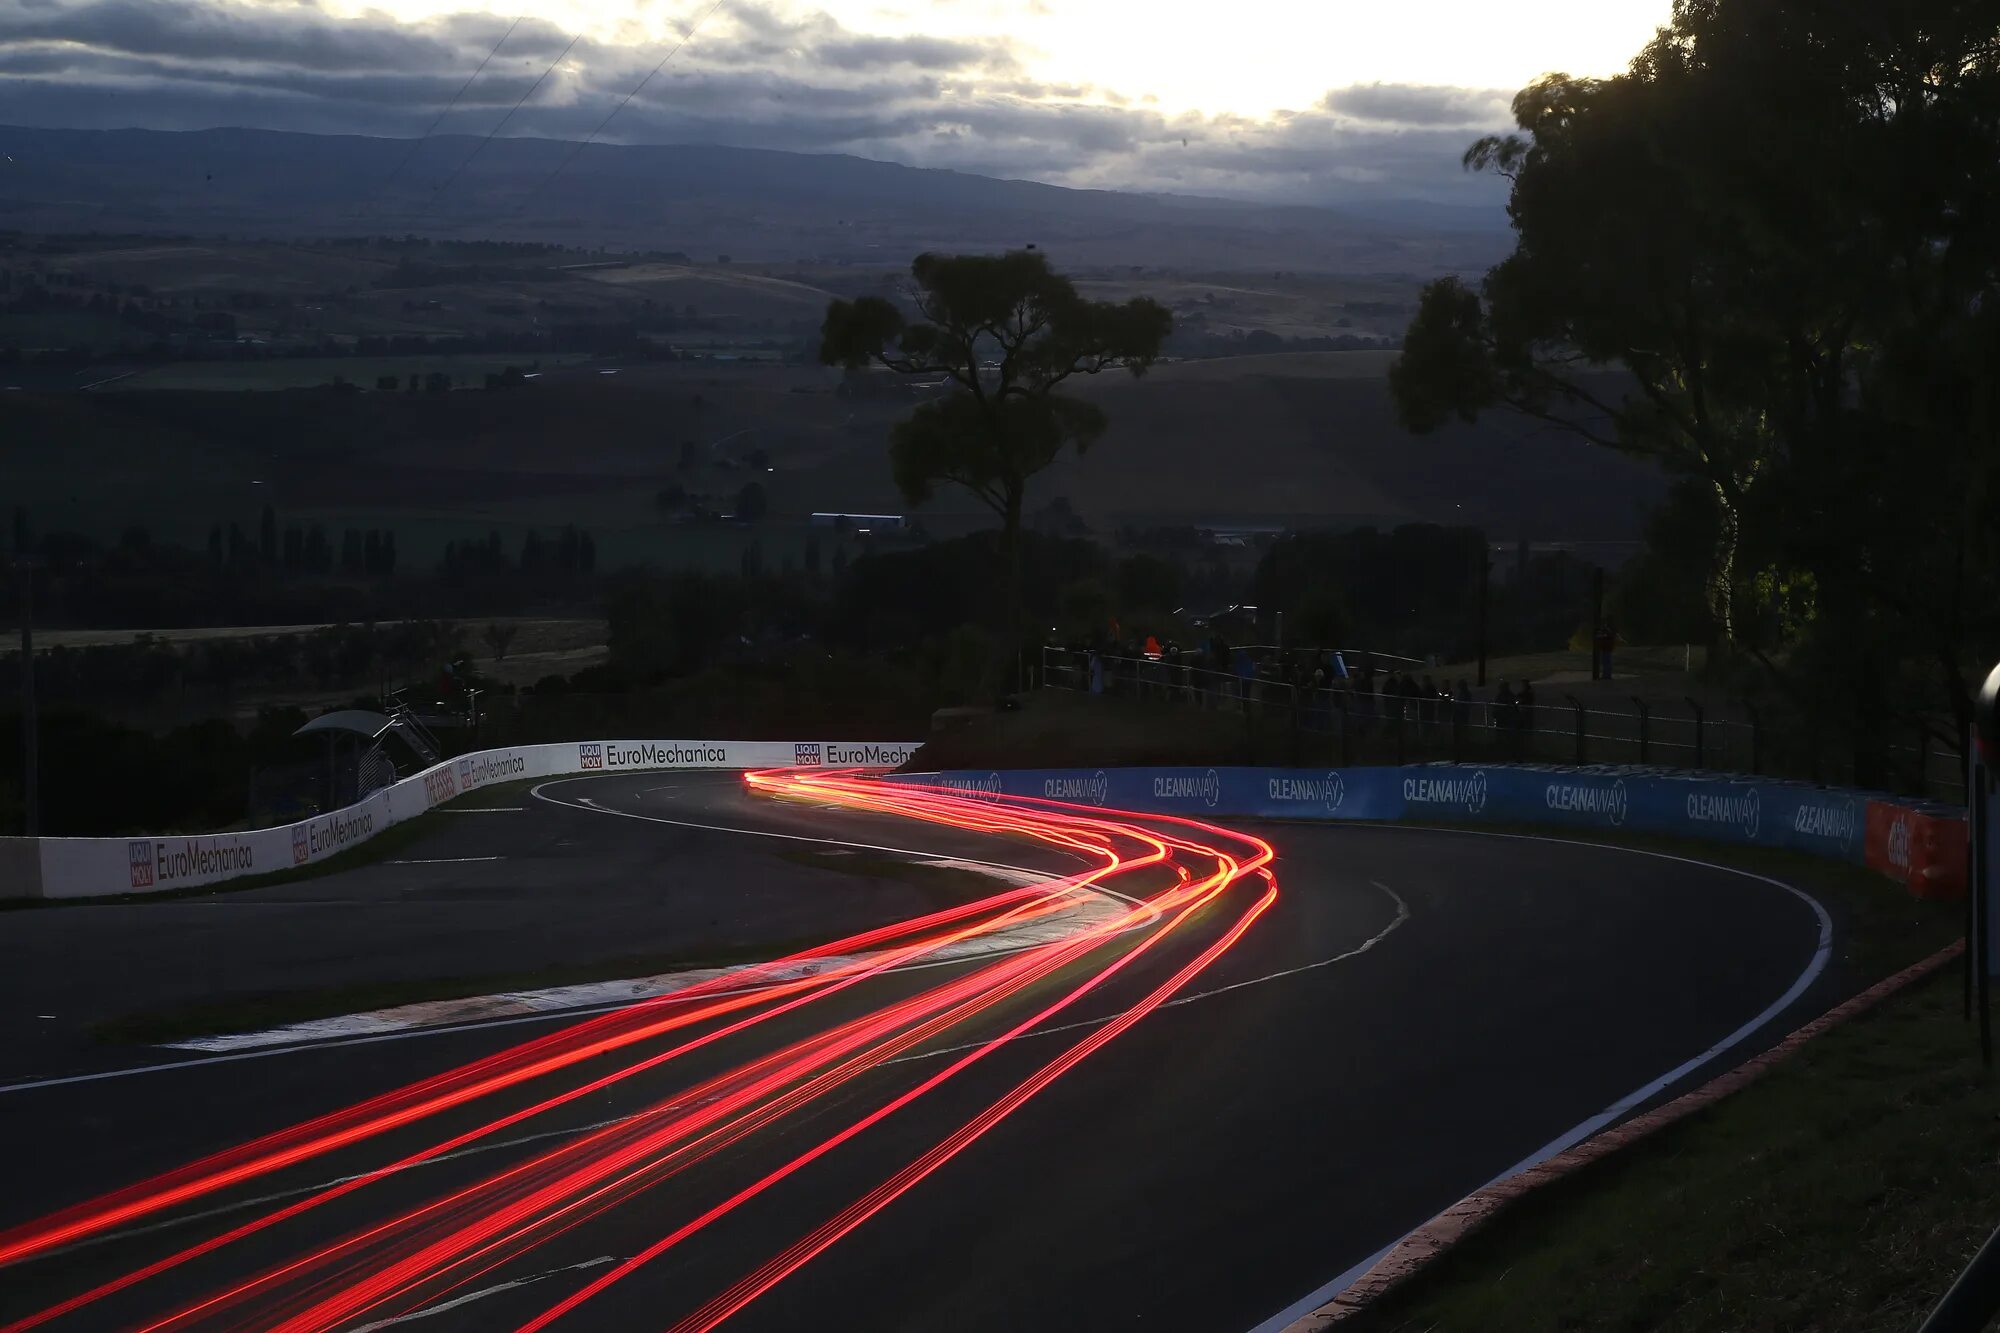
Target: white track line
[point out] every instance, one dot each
(1569, 1138)
(443, 861)
(410, 1034)
(1402, 915)
(483, 1293)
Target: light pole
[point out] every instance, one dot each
(31, 814)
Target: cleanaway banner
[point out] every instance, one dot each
(1822, 821)
(96, 867)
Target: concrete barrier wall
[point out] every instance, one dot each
(97, 867)
(1746, 811)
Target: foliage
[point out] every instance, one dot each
(1006, 333)
(1782, 226)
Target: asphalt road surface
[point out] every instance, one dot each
(1412, 1014)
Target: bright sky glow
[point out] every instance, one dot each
(1246, 57)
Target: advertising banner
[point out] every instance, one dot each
(98, 867)
(1820, 821)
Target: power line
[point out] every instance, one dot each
(637, 88)
(532, 90)
(453, 104)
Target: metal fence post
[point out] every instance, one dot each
(1577, 705)
(1700, 754)
(1346, 730)
(1645, 727)
(1756, 740)
(1399, 733)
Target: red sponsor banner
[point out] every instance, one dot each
(1924, 853)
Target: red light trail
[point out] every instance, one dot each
(1179, 887)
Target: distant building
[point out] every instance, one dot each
(863, 522)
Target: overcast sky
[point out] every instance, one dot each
(1305, 100)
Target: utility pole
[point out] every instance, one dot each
(1485, 587)
(1596, 620)
(31, 814)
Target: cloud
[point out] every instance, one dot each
(1420, 104)
(759, 77)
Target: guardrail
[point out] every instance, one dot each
(103, 867)
(1919, 844)
(1351, 726)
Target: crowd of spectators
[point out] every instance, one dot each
(1322, 681)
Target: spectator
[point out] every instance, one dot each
(1461, 704)
(1525, 701)
(1096, 672)
(1503, 707)
(1429, 701)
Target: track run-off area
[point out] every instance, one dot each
(1185, 1076)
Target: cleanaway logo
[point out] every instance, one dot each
(1331, 789)
(1836, 823)
(1467, 792)
(964, 784)
(1205, 787)
(1091, 790)
(1590, 798)
(1745, 811)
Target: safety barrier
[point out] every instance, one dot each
(1918, 844)
(99, 867)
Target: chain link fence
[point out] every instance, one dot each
(1346, 725)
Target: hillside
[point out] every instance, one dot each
(749, 203)
(1304, 439)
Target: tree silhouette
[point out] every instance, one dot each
(1007, 332)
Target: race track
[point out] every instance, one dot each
(1232, 1094)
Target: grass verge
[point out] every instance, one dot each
(1841, 1193)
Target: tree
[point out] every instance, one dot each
(498, 637)
(1781, 228)
(751, 502)
(267, 536)
(1007, 332)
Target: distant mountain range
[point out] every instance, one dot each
(753, 204)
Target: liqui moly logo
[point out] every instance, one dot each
(141, 856)
(1899, 842)
(806, 753)
(301, 846)
(590, 754)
